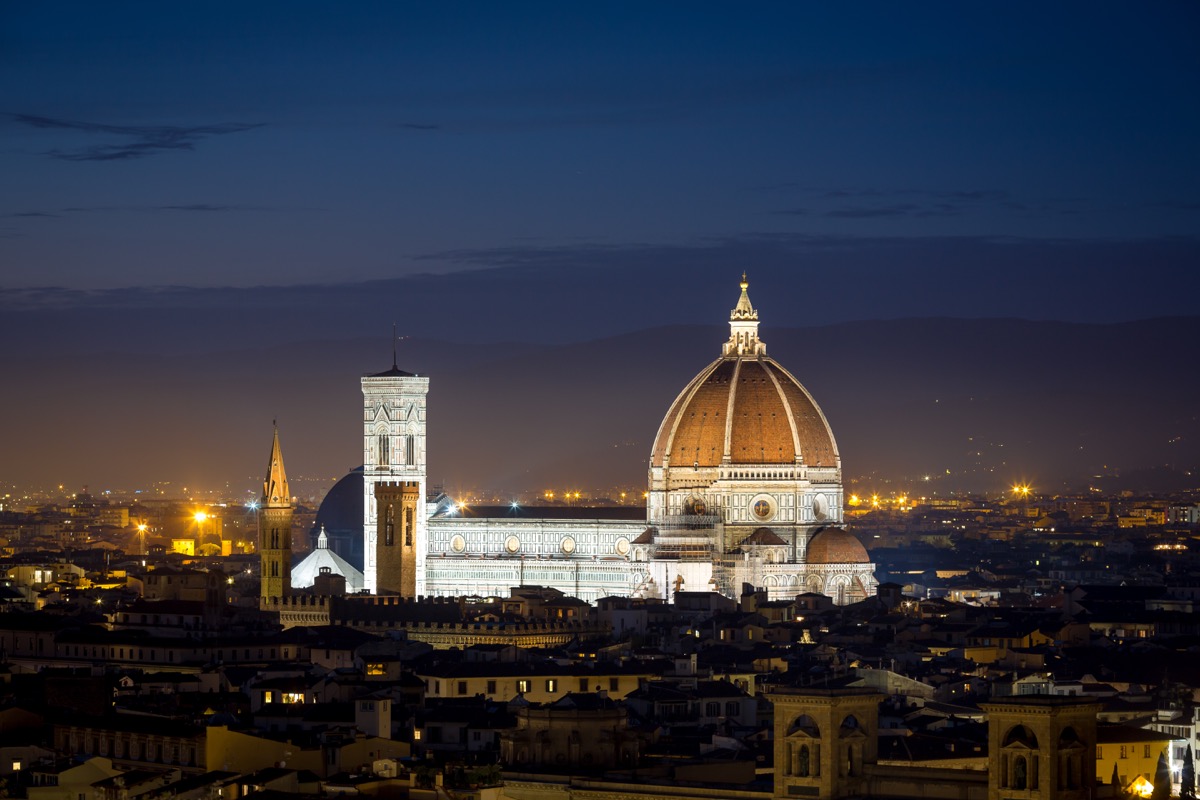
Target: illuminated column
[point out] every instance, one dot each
(394, 450)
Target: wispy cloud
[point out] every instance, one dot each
(137, 141)
(31, 214)
(199, 207)
(872, 212)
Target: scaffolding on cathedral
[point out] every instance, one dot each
(688, 537)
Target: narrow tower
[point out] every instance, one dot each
(393, 451)
(397, 504)
(275, 529)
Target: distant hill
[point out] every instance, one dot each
(970, 403)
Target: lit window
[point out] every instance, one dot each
(551, 685)
(376, 669)
(523, 686)
(292, 697)
(268, 697)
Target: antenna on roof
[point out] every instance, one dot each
(394, 346)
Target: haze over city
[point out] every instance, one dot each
(214, 215)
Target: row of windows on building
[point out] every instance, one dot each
(525, 685)
(122, 747)
(1125, 750)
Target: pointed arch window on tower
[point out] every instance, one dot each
(274, 538)
(384, 455)
(410, 450)
(389, 527)
(408, 526)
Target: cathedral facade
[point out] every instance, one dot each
(744, 486)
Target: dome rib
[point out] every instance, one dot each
(730, 411)
(817, 447)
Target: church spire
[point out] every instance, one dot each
(275, 487)
(743, 327)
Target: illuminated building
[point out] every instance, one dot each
(275, 529)
(744, 486)
(393, 450)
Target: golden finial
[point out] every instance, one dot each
(745, 284)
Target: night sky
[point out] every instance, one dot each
(563, 171)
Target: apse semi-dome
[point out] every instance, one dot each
(836, 546)
(744, 408)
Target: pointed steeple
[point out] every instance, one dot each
(275, 487)
(322, 539)
(743, 327)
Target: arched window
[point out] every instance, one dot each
(408, 526)
(410, 450)
(384, 455)
(389, 526)
(1020, 773)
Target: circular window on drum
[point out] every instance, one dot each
(820, 506)
(695, 506)
(622, 546)
(458, 543)
(567, 545)
(512, 544)
(762, 507)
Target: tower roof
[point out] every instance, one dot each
(275, 487)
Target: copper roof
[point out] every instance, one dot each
(749, 408)
(835, 546)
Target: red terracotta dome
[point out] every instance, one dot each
(836, 546)
(750, 408)
(744, 408)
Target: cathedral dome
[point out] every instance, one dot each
(744, 408)
(342, 508)
(836, 546)
(341, 518)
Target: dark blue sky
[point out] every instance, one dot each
(244, 144)
(301, 175)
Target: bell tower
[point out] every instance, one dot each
(1041, 747)
(275, 529)
(824, 738)
(397, 505)
(394, 450)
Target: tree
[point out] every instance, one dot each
(1187, 777)
(1162, 779)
